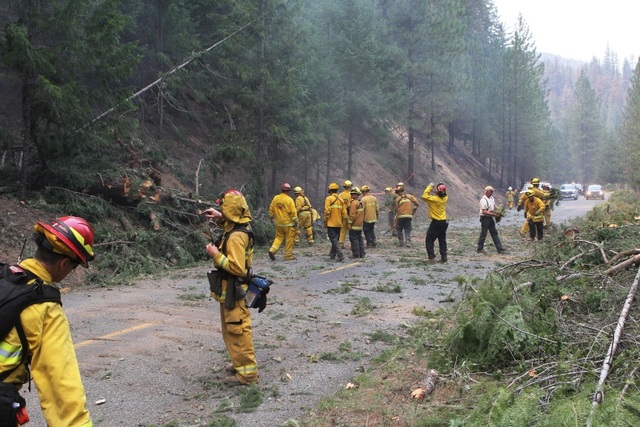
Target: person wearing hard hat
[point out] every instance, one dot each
(487, 221)
(335, 212)
(371, 210)
(534, 185)
(345, 196)
(283, 214)
(356, 221)
(406, 206)
(62, 245)
(232, 256)
(510, 194)
(303, 207)
(534, 210)
(437, 230)
(390, 204)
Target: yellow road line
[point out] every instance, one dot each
(342, 267)
(115, 334)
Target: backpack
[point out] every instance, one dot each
(15, 296)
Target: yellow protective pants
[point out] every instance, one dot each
(238, 338)
(305, 223)
(344, 230)
(284, 232)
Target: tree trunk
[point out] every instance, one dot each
(411, 155)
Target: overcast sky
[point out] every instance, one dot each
(578, 29)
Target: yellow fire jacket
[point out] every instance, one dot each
(303, 204)
(283, 210)
(356, 215)
(534, 209)
(436, 204)
(536, 192)
(335, 210)
(406, 204)
(345, 196)
(371, 208)
(54, 366)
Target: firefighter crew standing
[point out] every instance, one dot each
(282, 212)
(487, 221)
(335, 212)
(232, 256)
(345, 196)
(303, 207)
(390, 204)
(437, 212)
(356, 221)
(62, 245)
(510, 197)
(406, 205)
(371, 210)
(534, 210)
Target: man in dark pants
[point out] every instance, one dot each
(334, 212)
(437, 212)
(487, 221)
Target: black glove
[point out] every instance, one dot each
(519, 208)
(262, 302)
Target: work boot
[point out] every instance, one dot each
(400, 242)
(233, 380)
(443, 260)
(229, 368)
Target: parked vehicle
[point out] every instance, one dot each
(569, 191)
(594, 191)
(580, 189)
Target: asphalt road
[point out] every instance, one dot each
(151, 353)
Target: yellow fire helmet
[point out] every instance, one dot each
(234, 206)
(333, 186)
(387, 190)
(529, 193)
(400, 186)
(347, 184)
(365, 188)
(297, 190)
(355, 190)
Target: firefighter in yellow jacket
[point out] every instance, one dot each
(534, 185)
(232, 257)
(62, 245)
(335, 212)
(437, 230)
(371, 211)
(356, 222)
(510, 194)
(282, 212)
(534, 210)
(345, 196)
(303, 207)
(406, 205)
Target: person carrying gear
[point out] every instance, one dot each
(406, 206)
(371, 211)
(283, 214)
(305, 221)
(345, 196)
(232, 256)
(43, 334)
(487, 221)
(534, 210)
(335, 212)
(437, 212)
(390, 205)
(356, 221)
(510, 196)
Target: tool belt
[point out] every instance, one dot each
(235, 290)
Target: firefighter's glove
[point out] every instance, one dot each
(519, 208)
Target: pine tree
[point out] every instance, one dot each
(630, 133)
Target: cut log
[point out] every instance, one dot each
(155, 222)
(127, 225)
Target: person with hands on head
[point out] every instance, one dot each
(487, 221)
(335, 212)
(232, 256)
(62, 245)
(437, 204)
